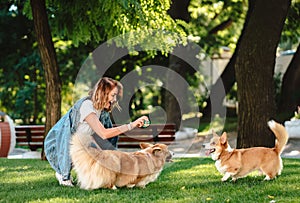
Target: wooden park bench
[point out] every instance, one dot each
(30, 135)
(33, 136)
(155, 133)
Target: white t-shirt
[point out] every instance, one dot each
(86, 109)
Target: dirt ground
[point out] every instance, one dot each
(194, 146)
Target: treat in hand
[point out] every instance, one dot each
(146, 123)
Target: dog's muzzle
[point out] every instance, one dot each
(170, 156)
(210, 151)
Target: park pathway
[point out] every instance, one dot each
(191, 147)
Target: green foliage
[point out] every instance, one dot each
(22, 82)
(217, 23)
(80, 26)
(70, 59)
(199, 88)
(185, 180)
(297, 113)
(232, 94)
(24, 102)
(97, 21)
(22, 93)
(290, 37)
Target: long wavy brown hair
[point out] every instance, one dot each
(99, 94)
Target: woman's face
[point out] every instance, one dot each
(112, 97)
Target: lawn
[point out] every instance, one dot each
(184, 180)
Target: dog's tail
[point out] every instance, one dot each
(80, 148)
(281, 135)
(85, 163)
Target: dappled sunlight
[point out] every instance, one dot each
(19, 176)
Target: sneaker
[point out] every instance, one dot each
(67, 183)
(63, 182)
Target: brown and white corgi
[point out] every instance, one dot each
(237, 163)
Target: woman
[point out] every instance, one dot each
(84, 119)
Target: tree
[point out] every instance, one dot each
(289, 37)
(98, 21)
(22, 78)
(95, 20)
(178, 10)
(21, 69)
(217, 24)
(254, 69)
(49, 60)
(290, 93)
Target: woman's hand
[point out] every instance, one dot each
(139, 122)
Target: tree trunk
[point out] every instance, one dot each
(178, 10)
(255, 69)
(290, 92)
(174, 104)
(49, 61)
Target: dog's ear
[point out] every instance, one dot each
(223, 138)
(156, 150)
(145, 145)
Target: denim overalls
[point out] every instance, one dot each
(57, 141)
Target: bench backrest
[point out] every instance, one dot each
(33, 135)
(30, 135)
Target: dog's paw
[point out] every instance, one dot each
(226, 176)
(267, 177)
(271, 124)
(130, 185)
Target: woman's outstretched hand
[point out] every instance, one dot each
(139, 122)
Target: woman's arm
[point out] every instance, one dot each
(106, 133)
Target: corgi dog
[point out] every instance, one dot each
(237, 163)
(97, 168)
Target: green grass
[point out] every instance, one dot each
(185, 180)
